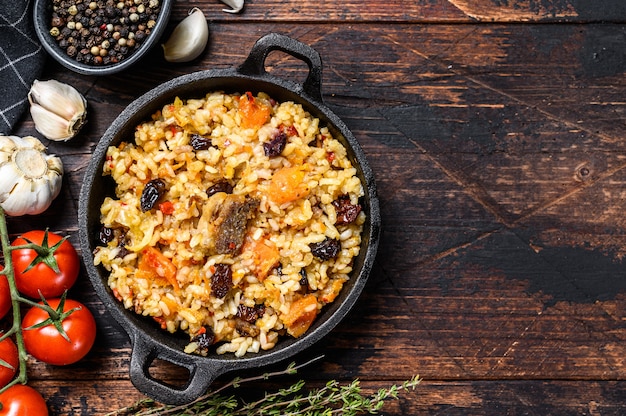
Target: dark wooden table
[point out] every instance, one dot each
(495, 130)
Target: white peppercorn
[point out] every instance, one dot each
(101, 32)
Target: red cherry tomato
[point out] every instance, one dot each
(5, 295)
(21, 400)
(52, 271)
(8, 354)
(47, 344)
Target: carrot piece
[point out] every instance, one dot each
(154, 265)
(254, 114)
(166, 207)
(264, 255)
(331, 291)
(301, 315)
(287, 184)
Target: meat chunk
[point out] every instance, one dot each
(224, 222)
(246, 329)
(232, 223)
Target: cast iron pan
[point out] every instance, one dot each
(148, 341)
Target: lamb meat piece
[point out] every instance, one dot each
(224, 222)
(231, 219)
(246, 329)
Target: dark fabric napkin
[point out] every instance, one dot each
(21, 60)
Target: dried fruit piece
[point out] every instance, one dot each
(221, 186)
(250, 314)
(152, 192)
(327, 249)
(199, 142)
(222, 280)
(276, 145)
(204, 339)
(346, 211)
(105, 235)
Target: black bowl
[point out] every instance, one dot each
(150, 342)
(42, 11)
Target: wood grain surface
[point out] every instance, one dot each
(495, 130)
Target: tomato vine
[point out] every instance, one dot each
(15, 330)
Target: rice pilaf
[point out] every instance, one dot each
(236, 220)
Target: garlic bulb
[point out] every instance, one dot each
(29, 178)
(236, 6)
(188, 39)
(58, 110)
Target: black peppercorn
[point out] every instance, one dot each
(121, 25)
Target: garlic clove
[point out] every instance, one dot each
(30, 179)
(62, 99)
(58, 110)
(236, 6)
(188, 39)
(50, 125)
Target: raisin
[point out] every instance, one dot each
(327, 249)
(250, 314)
(304, 282)
(105, 235)
(222, 280)
(122, 241)
(204, 339)
(200, 143)
(276, 145)
(152, 192)
(346, 211)
(221, 186)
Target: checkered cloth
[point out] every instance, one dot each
(21, 60)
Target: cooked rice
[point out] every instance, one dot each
(289, 289)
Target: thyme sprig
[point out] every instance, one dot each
(332, 399)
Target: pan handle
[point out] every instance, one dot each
(255, 62)
(201, 374)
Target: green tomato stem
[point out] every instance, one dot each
(16, 299)
(16, 327)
